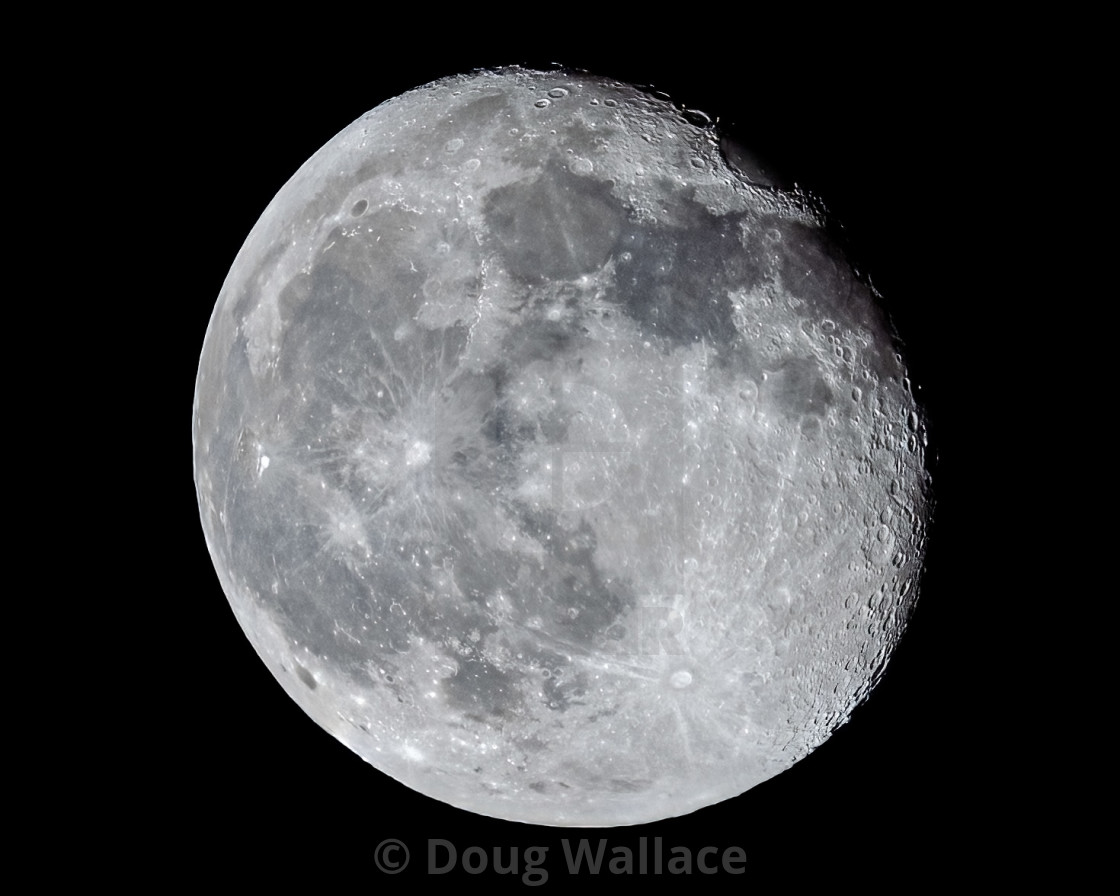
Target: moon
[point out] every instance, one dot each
(553, 459)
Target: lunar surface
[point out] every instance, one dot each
(551, 461)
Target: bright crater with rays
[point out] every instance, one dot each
(553, 465)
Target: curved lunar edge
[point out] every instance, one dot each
(551, 465)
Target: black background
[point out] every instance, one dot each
(888, 136)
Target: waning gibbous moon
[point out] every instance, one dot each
(551, 463)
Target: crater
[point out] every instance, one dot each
(418, 453)
(680, 679)
(306, 677)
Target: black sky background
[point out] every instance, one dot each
(912, 786)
